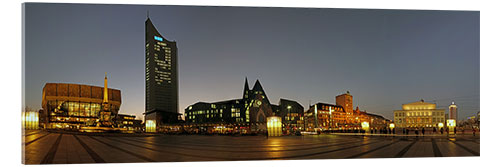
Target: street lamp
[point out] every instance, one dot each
(365, 126)
(391, 125)
(288, 120)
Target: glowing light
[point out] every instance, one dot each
(451, 123)
(440, 125)
(391, 125)
(30, 120)
(365, 126)
(151, 126)
(158, 38)
(274, 126)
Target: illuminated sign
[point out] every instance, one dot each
(158, 38)
(274, 126)
(150, 125)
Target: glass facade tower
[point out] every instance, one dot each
(162, 91)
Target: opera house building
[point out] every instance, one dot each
(418, 115)
(78, 106)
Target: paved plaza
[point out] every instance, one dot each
(42, 147)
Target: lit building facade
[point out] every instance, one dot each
(419, 114)
(453, 111)
(246, 115)
(291, 113)
(162, 91)
(73, 106)
(129, 123)
(345, 100)
(326, 116)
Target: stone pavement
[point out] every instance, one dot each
(42, 147)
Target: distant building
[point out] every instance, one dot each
(325, 116)
(246, 115)
(333, 117)
(73, 106)
(345, 100)
(377, 121)
(128, 122)
(162, 91)
(453, 111)
(419, 114)
(291, 113)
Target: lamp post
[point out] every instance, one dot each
(288, 120)
(392, 128)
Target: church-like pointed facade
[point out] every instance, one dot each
(245, 115)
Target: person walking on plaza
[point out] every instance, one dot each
(433, 130)
(423, 131)
(441, 130)
(455, 130)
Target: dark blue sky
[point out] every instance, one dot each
(383, 57)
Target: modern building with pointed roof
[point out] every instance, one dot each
(162, 90)
(245, 115)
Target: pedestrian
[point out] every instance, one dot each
(423, 131)
(455, 130)
(433, 130)
(407, 131)
(416, 132)
(441, 130)
(448, 131)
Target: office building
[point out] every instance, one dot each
(162, 91)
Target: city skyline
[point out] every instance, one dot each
(301, 67)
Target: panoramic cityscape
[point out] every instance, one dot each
(171, 102)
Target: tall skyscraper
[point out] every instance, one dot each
(162, 91)
(345, 100)
(453, 111)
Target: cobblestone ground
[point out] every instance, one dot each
(42, 147)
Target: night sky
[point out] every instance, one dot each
(383, 57)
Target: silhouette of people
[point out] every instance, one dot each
(423, 131)
(441, 130)
(433, 130)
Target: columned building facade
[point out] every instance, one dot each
(418, 115)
